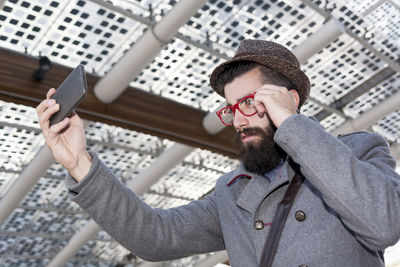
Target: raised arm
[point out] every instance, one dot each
(152, 234)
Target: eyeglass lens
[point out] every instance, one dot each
(245, 106)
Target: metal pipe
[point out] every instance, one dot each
(78, 240)
(381, 110)
(2, 2)
(318, 40)
(395, 151)
(28, 178)
(150, 264)
(211, 123)
(144, 51)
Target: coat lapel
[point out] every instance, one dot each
(259, 187)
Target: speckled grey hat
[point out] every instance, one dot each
(272, 55)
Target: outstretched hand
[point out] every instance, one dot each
(66, 139)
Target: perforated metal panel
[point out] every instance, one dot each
(82, 31)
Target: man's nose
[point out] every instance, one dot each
(239, 120)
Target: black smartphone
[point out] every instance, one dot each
(70, 93)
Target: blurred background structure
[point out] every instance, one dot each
(150, 110)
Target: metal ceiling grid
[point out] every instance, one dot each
(16, 142)
(188, 182)
(181, 73)
(381, 27)
(211, 160)
(52, 222)
(194, 177)
(186, 69)
(373, 97)
(332, 121)
(28, 251)
(310, 108)
(15, 145)
(389, 127)
(18, 221)
(158, 200)
(138, 7)
(225, 24)
(100, 250)
(43, 193)
(69, 32)
(100, 133)
(18, 115)
(339, 68)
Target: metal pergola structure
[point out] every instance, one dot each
(164, 50)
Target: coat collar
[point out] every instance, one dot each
(259, 187)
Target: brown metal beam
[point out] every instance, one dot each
(134, 109)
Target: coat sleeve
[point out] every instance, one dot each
(354, 174)
(152, 234)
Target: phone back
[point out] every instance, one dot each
(70, 93)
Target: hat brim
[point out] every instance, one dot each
(287, 69)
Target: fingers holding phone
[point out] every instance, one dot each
(65, 134)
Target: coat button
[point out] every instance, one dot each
(300, 215)
(259, 225)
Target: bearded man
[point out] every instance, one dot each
(301, 197)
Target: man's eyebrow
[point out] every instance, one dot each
(237, 100)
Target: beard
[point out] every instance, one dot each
(262, 155)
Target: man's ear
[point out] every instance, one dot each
(295, 96)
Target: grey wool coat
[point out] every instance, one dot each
(345, 214)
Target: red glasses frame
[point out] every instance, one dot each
(233, 108)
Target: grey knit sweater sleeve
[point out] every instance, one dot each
(152, 234)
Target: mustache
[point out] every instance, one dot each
(251, 131)
(248, 131)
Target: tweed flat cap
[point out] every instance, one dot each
(272, 55)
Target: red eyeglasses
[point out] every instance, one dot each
(244, 105)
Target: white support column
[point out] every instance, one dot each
(318, 40)
(143, 181)
(214, 259)
(78, 240)
(150, 264)
(395, 152)
(211, 123)
(144, 51)
(166, 161)
(28, 178)
(381, 110)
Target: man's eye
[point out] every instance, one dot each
(226, 111)
(248, 101)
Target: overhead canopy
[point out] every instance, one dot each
(166, 102)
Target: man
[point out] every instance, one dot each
(345, 213)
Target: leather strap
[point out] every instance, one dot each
(278, 222)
